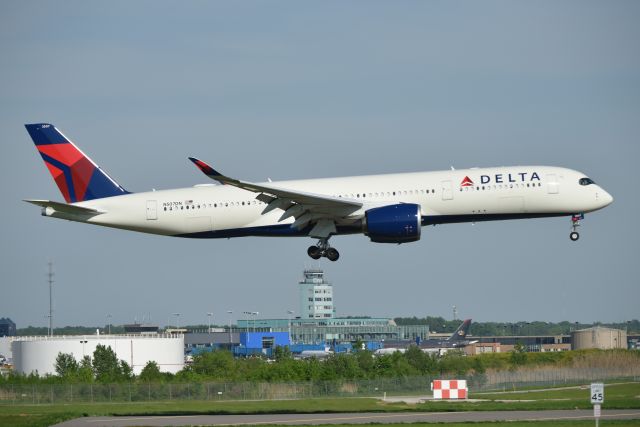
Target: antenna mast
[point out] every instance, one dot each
(50, 280)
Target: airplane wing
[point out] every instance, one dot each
(307, 208)
(64, 207)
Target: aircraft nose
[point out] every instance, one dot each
(605, 198)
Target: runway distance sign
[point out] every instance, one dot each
(597, 393)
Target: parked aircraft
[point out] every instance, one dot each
(389, 350)
(318, 354)
(390, 208)
(458, 339)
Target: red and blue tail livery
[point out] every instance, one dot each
(76, 175)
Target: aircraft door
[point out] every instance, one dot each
(553, 187)
(152, 210)
(447, 191)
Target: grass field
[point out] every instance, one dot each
(615, 423)
(620, 396)
(613, 392)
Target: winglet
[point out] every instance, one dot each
(207, 170)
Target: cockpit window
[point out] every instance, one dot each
(586, 181)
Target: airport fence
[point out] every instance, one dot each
(18, 394)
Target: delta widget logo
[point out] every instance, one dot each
(466, 182)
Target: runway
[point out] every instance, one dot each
(347, 418)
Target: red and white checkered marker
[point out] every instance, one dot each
(449, 389)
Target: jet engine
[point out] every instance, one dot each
(394, 223)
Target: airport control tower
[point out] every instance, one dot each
(316, 296)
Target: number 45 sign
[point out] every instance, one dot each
(597, 393)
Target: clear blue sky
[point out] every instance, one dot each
(314, 89)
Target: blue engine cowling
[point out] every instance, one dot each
(394, 224)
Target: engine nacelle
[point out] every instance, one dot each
(394, 224)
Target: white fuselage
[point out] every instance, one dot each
(480, 194)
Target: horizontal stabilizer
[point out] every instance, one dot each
(64, 207)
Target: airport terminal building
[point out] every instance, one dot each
(317, 322)
(337, 329)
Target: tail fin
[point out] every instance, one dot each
(461, 332)
(77, 176)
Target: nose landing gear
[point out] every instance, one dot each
(575, 223)
(322, 249)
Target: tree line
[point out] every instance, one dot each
(220, 366)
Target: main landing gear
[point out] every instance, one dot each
(575, 223)
(322, 249)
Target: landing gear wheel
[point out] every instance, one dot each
(332, 254)
(322, 249)
(314, 252)
(575, 223)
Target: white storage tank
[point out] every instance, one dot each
(598, 337)
(38, 354)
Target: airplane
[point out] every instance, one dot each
(389, 350)
(391, 208)
(457, 339)
(318, 354)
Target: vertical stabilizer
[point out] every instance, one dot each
(76, 175)
(461, 332)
